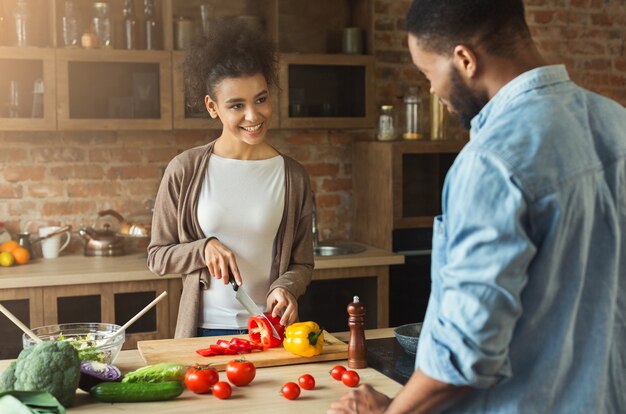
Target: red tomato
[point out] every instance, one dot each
(240, 372)
(260, 332)
(307, 382)
(200, 378)
(291, 391)
(337, 372)
(222, 390)
(350, 378)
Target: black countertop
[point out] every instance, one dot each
(388, 357)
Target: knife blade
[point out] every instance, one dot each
(249, 305)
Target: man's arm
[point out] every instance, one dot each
(421, 394)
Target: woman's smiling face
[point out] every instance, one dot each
(244, 106)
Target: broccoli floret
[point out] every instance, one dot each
(7, 379)
(49, 366)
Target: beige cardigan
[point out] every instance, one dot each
(177, 242)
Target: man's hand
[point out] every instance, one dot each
(280, 299)
(362, 400)
(219, 259)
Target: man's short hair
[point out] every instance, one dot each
(496, 26)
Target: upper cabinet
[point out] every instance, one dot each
(117, 64)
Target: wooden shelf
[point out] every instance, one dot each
(94, 86)
(327, 91)
(27, 65)
(397, 185)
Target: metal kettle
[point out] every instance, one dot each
(102, 242)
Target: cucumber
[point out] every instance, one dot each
(136, 391)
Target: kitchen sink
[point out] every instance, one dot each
(337, 249)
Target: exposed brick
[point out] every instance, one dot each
(307, 137)
(58, 154)
(601, 19)
(163, 155)
(301, 154)
(322, 169)
(46, 190)
(140, 189)
(115, 155)
(542, 16)
(51, 209)
(339, 184)
(17, 208)
(94, 189)
(8, 191)
(20, 174)
(12, 155)
(620, 64)
(133, 171)
(392, 56)
(587, 47)
(190, 139)
(324, 201)
(597, 64)
(88, 172)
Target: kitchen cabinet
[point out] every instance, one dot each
(26, 305)
(115, 89)
(22, 69)
(397, 185)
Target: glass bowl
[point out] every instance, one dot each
(88, 338)
(408, 336)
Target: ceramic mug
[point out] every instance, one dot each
(51, 247)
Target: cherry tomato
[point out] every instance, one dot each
(222, 390)
(350, 378)
(200, 378)
(337, 372)
(240, 372)
(291, 391)
(307, 382)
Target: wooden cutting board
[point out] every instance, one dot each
(183, 351)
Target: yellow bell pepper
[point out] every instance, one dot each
(304, 338)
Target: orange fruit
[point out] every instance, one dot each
(21, 255)
(9, 246)
(6, 259)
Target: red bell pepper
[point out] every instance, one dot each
(233, 347)
(260, 332)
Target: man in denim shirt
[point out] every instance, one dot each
(528, 306)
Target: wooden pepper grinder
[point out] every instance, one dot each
(356, 345)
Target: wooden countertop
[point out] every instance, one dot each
(78, 269)
(262, 396)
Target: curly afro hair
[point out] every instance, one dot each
(229, 50)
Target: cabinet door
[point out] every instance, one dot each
(327, 91)
(25, 70)
(26, 305)
(111, 303)
(114, 90)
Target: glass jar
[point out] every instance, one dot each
(101, 23)
(130, 25)
(438, 118)
(150, 24)
(22, 21)
(386, 123)
(69, 25)
(412, 127)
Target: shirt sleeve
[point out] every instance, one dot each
(481, 252)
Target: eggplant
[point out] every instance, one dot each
(92, 373)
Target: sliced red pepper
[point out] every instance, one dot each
(260, 332)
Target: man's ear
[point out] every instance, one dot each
(466, 61)
(211, 106)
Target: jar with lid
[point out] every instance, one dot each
(101, 23)
(412, 124)
(387, 123)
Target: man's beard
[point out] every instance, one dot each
(465, 102)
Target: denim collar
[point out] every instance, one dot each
(533, 79)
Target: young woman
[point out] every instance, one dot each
(235, 205)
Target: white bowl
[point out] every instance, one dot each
(87, 338)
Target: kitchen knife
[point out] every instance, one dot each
(249, 305)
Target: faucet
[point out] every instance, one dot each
(316, 236)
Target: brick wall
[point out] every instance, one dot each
(57, 177)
